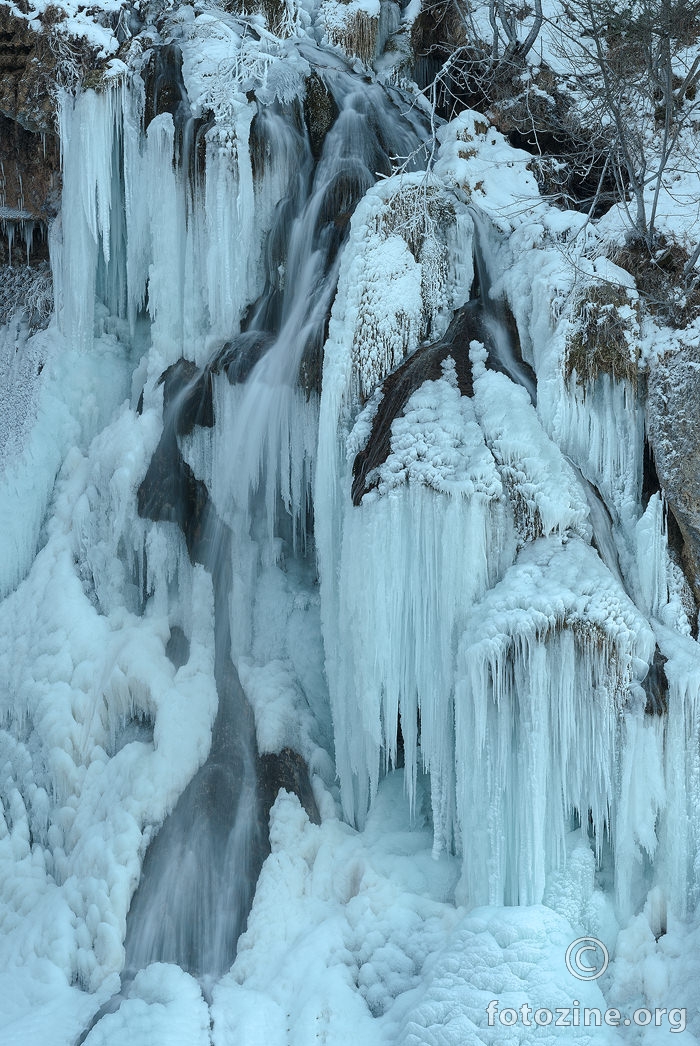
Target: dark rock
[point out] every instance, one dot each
(424, 365)
(656, 686)
(29, 191)
(311, 367)
(320, 112)
(287, 770)
(171, 493)
(27, 73)
(673, 407)
(31, 178)
(650, 479)
(188, 396)
(165, 88)
(238, 356)
(341, 198)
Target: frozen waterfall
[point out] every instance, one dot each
(319, 524)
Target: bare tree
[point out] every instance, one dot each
(634, 79)
(504, 21)
(455, 34)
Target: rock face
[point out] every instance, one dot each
(287, 770)
(29, 177)
(28, 73)
(320, 112)
(673, 410)
(29, 191)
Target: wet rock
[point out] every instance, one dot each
(188, 396)
(238, 356)
(310, 376)
(286, 769)
(320, 112)
(165, 88)
(171, 493)
(424, 365)
(650, 478)
(656, 686)
(340, 200)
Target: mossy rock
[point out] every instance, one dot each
(320, 112)
(605, 336)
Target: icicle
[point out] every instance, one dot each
(602, 429)
(641, 798)
(89, 128)
(166, 209)
(230, 223)
(545, 662)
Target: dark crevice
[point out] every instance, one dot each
(656, 686)
(178, 647)
(286, 770)
(650, 479)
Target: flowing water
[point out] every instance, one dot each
(200, 871)
(503, 354)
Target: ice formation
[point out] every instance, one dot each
(301, 433)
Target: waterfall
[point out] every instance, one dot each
(504, 355)
(336, 637)
(200, 872)
(229, 484)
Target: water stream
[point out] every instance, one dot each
(200, 871)
(503, 355)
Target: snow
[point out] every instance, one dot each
(538, 478)
(93, 26)
(88, 789)
(38, 1005)
(436, 442)
(164, 1005)
(513, 955)
(478, 161)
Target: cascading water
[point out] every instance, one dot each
(502, 350)
(200, 871)
(238, 420)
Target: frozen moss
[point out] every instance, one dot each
(605, 338)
